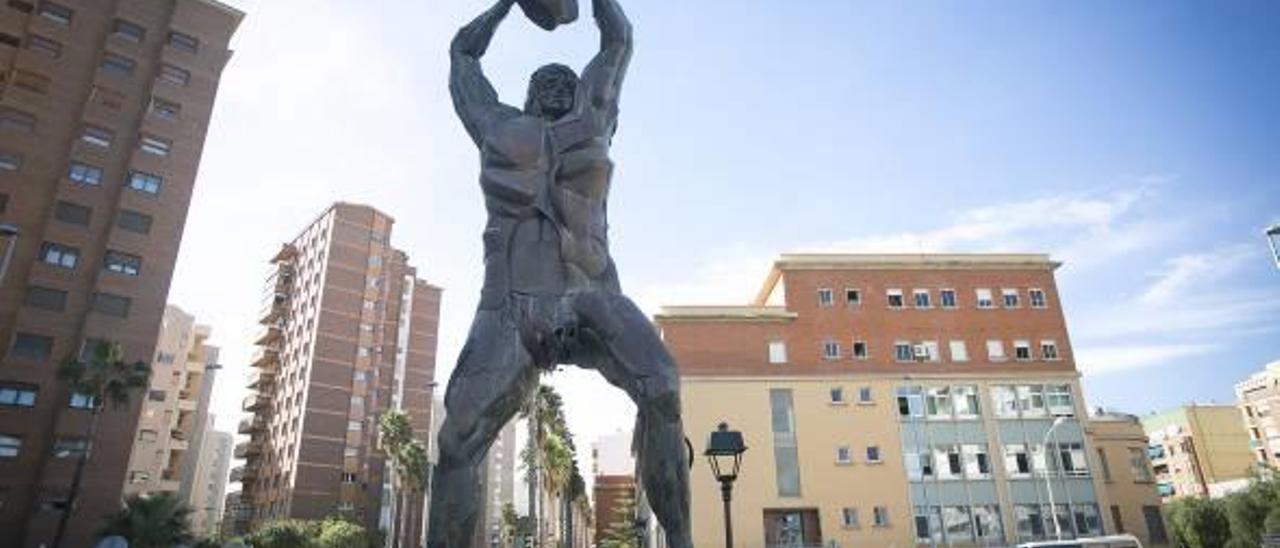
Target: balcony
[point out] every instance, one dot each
(254, 402)
(265, 357)
(187, 405)
(247, 449)
(251, 425)
(286, 254)
(275, 308)
(260, 379)
(269, 335)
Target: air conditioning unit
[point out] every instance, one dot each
(921, 352)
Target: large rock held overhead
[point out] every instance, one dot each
(550, 14)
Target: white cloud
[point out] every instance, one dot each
(1194, 272)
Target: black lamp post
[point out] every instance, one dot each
(1273, 236)
(724, 452)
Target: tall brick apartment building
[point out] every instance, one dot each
(348, 331)
(892, 400)
(104, 107)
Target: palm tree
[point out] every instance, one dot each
(157, 521)
(104, 377)
(411, 467)
(409, 464)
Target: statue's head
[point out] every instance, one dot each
(551, 91)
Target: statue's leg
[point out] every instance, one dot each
(620, 342)
(492, 379)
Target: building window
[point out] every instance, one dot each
(21, 5)
(122, 263)
(922, 298)
(353, 426)
(938, 402)
(29, 346)
(864, 395)
(1072, 458)
(895, 298)
(873, 454)
(831, 350)
(174, 75)
(948, 298)
(1106, 466)
(145, 182)
(826, 299)
(155, 145)
(184, 42)
(1029, 521)
(10, 161)
(910, 401)
(84, 174)
(1155, 524)
(928, 525)
(44, 46)
(10, 40)
(45, 298)
(965, 400)
(147, 435)
(111, 305)
(107, 98)
(82, 401)
(842, 455)
(75, 214)
(65, 448)
(1037, 298)
(168, 110)
(134, 221)
(348, 477)
(13, 119)
(1088, 520)
(96, 136)
(919, 465)
(1010, 298)
(926, 351)
(837, 396)
(351, 452)
(986, 522)
(849, 518)
(995, 351)
(860, 350)
(853, 297)
(1049, 350)
(10, 446)
(902, 351)
(959, 353)
(1031, 401)
(129, 31)
(157, 395)
(984, 298)
(1022, 350)
(1059, 401)
(1017, 461)
(977, 463)
(57, 13)
(958, 523)
(881, 516)
(30, 81)
(18, 395)
(59, 255)
(118, 64)
(777, 352)
(4, 202)
(785, 455)
(1138, 465)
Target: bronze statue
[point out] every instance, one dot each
(551, 294)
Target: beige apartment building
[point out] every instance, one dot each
(172, 415)
(104, 108)
(1129, 495)
(891, 400)
(208, 491)
(1258, 398)
(498, 483)
(348, 331)
(1198, 450)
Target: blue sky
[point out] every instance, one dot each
(1138, 142)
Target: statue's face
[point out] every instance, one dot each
(551, 91)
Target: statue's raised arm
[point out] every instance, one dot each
(603, 76)
(474, 98)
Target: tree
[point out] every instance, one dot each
(156, 521)
(510, 524)
(104, 377)
(1199, 523)
(620, 533)
(340, 533)
(289, 533)
(409, 467)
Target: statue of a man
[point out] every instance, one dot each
(551, 294)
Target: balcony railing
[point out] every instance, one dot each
(251, 425)
(260, 379)
(265, 357)
(274, 308)
(245, 449)
(254, 402)
(269, 334)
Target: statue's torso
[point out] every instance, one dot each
(546, 185)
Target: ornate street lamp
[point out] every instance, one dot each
(1273, 236)
(724, 452)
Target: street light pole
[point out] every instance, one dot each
(1048, 476)
(727, 445)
